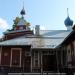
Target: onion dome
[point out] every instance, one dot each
(68, 21)
(22, 12)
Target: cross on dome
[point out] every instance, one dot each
(23, 11)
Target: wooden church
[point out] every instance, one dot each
(26, 50)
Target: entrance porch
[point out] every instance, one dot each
(44, 61)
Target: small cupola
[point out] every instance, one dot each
(68, 22)
(22, 11)
(21, 23)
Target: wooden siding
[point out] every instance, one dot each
(16, 58)
(5, 56)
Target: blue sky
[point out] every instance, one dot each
(49, 14)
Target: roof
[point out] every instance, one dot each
(55, 33)
(21, 22)
(67, 40)
(7, 32)
(46, 39)
(34, 42)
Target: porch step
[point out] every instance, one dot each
(36, 73)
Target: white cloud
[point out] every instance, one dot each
(3, 24)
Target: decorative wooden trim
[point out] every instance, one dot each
(69, 55)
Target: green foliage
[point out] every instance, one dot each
(16, 22)
(27, 24)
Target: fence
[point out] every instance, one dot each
(36, 73)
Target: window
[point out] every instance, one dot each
(15, 57)
(36, 59)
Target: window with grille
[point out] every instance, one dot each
(36, 59)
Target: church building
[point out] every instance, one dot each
(25, 50)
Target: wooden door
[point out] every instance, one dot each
(49, 62)
(27, 64)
